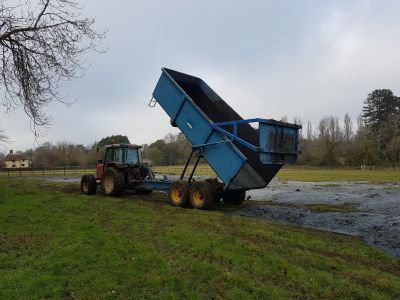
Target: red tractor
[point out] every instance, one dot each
(121, 169)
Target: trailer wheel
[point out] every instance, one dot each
(201, 195)
(88, 184)
(216, 188)
(178, 193)
(234, 197)
(113, 182)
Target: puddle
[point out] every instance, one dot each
(377, 220)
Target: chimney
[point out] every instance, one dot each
(11, 152)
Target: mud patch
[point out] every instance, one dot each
(370, 211)
(69, 189)
(12, 243)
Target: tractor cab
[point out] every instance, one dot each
(122, 153)
(119, 155)
(121, 169)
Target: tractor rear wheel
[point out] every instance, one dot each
(113, 182)
(88, 184)
(178, 193)
(234, 197)
(201, 195)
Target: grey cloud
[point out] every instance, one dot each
(266, 58)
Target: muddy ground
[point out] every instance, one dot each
(368, 210)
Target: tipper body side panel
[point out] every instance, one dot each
(197, 110)
(222, 157)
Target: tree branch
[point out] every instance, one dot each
(41, 50)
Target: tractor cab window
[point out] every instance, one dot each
(109, 155)
(132, 156)
(119, 154)
(123, 155)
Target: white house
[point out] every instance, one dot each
(15, 161)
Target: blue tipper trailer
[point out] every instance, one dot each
(242, 156)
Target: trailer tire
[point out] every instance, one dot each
(88, 184)
(113, 183)
(201, 196)
(178, 193)
(216, 188)
(234, 197)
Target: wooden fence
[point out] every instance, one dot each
(46, 172)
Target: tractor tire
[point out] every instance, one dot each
(113, 182)
(88, 184)
(216, 188)
(178, 194)
(234, 197)
(201, 196)
(143, 191)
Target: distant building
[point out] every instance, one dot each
(16, 161)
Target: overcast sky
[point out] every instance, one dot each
(266, 59)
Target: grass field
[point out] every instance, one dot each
(57, 243)
(285, 174)
(307, 174)
(338, 175)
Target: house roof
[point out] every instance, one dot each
(16, 157)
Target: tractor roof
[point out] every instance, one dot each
(123, 146)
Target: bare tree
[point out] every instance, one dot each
(298, 121)
(41, 45)
(309, 133)
(331, 136)
(348, 128)
(393, 152)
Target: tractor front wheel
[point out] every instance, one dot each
(113, 182)
(88, 184)
(178, 193)
(201, 195)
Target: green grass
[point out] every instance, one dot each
(307, 174)
(314, 175)
(200, 170)
(56, 243)
(339, 175)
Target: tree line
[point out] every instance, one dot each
(65, 154)
(372, 139)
